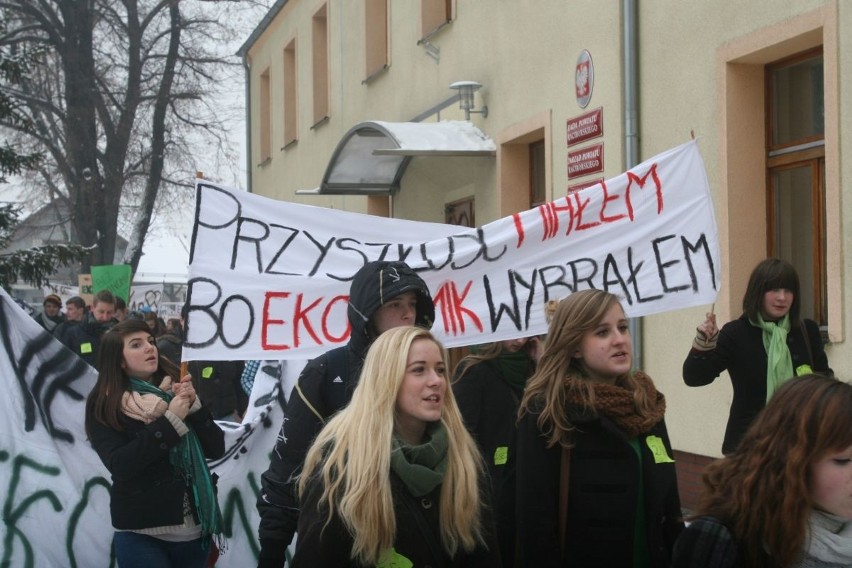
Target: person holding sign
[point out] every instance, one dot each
(783, 497)
(394, 478)
(767, 345)
(488, 386)
(383, 295)
(595, 475)
(153, 435)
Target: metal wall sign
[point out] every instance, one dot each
(585, 127)
(584, 185)
(584, 78)
(588, 160)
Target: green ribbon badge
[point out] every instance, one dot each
(501, 455)
(658, 448)
(803, 370)
(393, 559)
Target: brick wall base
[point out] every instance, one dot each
(689, 468)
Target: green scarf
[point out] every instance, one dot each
(779, 365)
(421, 467)
(188, 458)
(515, 368)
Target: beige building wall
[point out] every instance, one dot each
(713, 84)
(700, 72)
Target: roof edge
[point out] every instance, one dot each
(261, 27)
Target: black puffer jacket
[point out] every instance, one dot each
(324, 387)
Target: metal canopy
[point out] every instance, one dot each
(372, 157)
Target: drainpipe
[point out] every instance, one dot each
(247, 69)
(630, 85)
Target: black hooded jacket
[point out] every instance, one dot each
(324, 387)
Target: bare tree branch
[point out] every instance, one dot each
(119, 102)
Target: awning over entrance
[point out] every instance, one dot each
(372, 157)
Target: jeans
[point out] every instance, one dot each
(134, 550)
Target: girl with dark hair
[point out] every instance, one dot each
(767, 345)
(783, 498)
(595, 475)
(153, 435)
(488, 385)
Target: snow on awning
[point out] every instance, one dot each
(372, 157)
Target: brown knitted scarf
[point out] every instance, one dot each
(616, 403)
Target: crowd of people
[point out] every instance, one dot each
(537, 451)
(81, 329)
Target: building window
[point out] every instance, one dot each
(264, 120)
(796, 174)
(434, 14)
(538, 177)
(290, 102)
(460, 213)
(376, 36)
(319, 46)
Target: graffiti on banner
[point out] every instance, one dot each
(50, 476)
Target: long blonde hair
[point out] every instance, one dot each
(351, 458)
(547, 390)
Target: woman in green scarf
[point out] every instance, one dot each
(153, 436)
(767, 345)
(394, 478)
(488, 385)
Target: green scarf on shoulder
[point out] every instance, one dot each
(779, 364)
(188, 458)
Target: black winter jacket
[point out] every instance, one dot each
(217, 384)
(171, 347)
(604, 486)
(740, 351)
(83, 338)
(489, 407)
(146, 491)
(418, 534)
(321, 390)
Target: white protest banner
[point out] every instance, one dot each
(269, 279)
(54, 488)
(145, 296)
